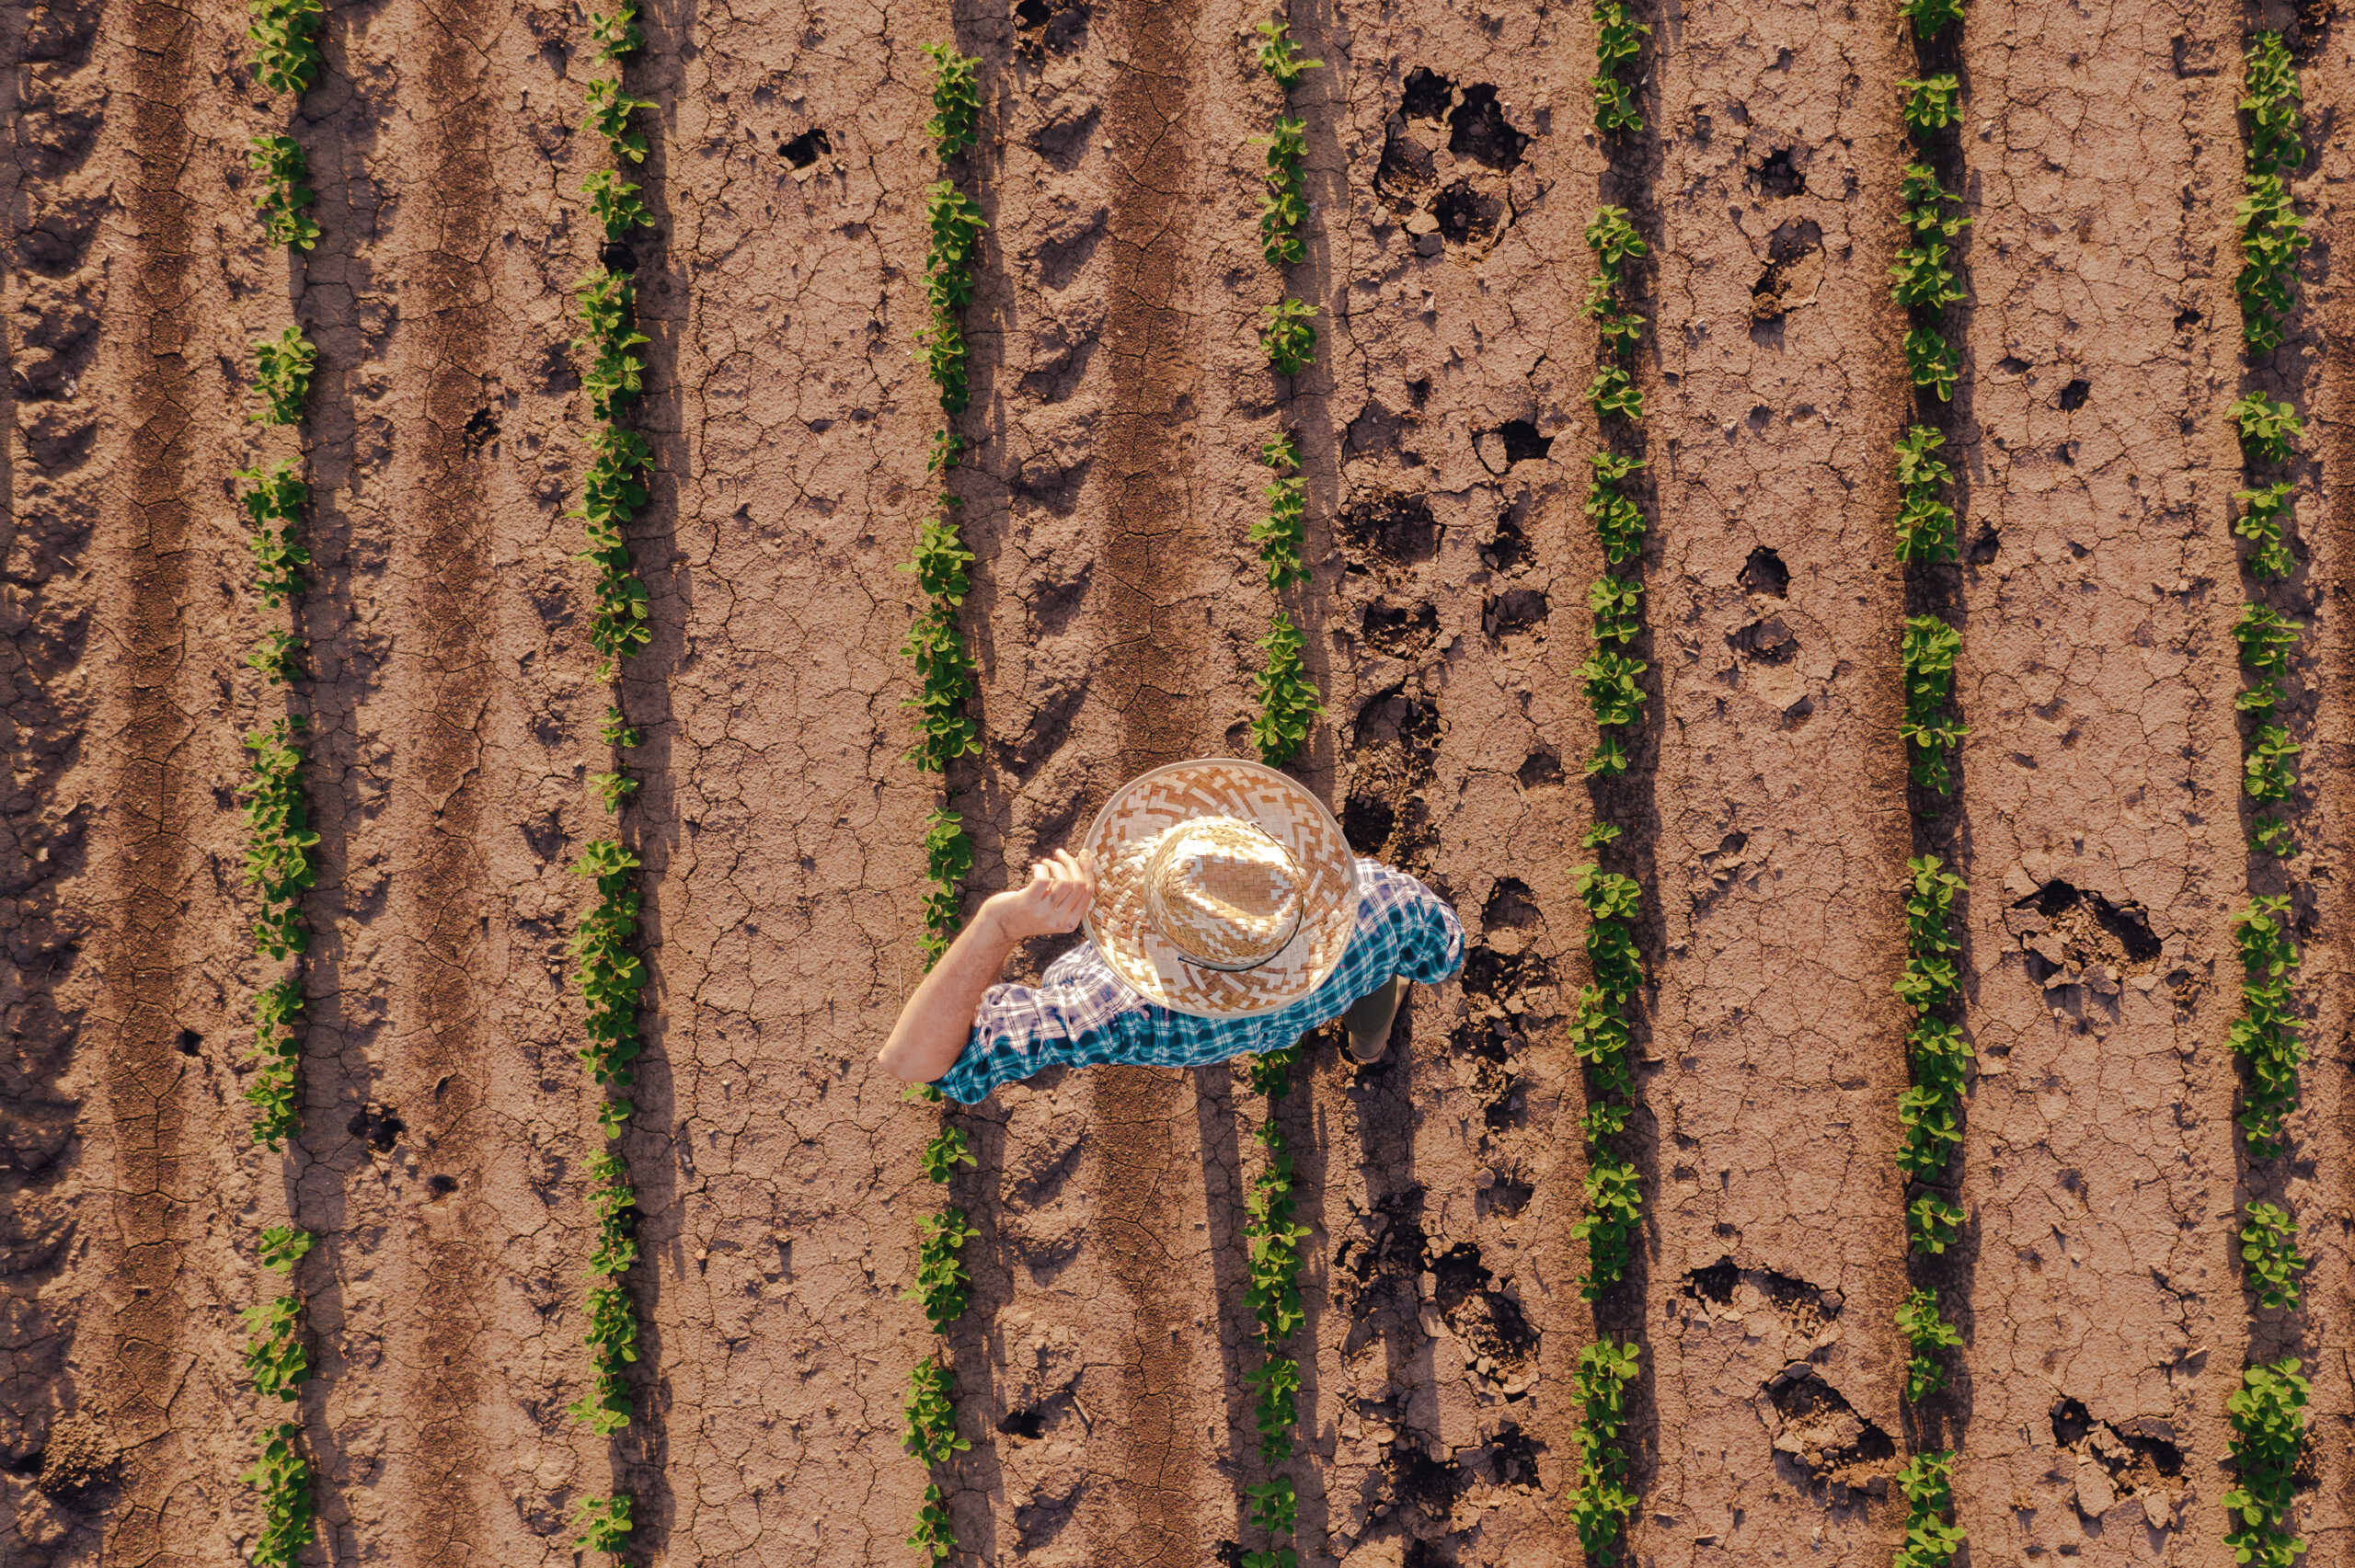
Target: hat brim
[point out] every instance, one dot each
(1220, 786)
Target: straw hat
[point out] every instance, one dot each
(1223, 888)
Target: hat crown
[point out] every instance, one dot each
(1224, 892)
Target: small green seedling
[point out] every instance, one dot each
(2268, 1420)
(945, 1153)
(941, 1282)
(280, 860)
(1280, 57)
(933, 1535)
(1926, 1330)
(603, 1523)
(613, 201)
(1932, 103)
(1619, 38)
(277, 1361)
(2268, 431)
(612, 731)
(282, 368)
(1600, 1498)
(1930, 17)
(280, 162)
(1618, 518)
(285, 36)
(1613, 391)
(2269, 1249)
(1287, 338)
(273, 509)
(1287, 694)
(2268, 510)
(1932, 361)
(931, 1414)
(613, 788)
(956, 100)
(608, 118)
(283, 1477)
(278, 657)
(278, 1054)
(282, 1247)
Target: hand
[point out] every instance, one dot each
(1060, 889)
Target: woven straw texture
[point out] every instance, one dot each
(1123, 837)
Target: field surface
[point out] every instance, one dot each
(1110, 476)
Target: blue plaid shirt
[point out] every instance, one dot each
(1080, 1014)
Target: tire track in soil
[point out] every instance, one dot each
(1776, 602)
(142, 1353)
(437, 1300)
(1145, 661)
(2098, 678)
(51, 296)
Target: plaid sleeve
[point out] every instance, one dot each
(1079, 1015)
(1428, 938)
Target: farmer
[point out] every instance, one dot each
(1225, 914)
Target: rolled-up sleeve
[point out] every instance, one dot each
(1022, 1030)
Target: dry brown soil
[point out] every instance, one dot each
(1119, 399)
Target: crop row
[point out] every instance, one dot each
(2267, 1412)
(1926, 279)
(1287, 694)
(1601, 1493)
(946, 730)
(282, 849)
(610, 976)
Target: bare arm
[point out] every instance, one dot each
(937, 1020)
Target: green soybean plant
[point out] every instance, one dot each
(285, 36)
(2266, 1036)
(612, 1336)
(2269, 431)
(2268, 1420)
(931, 1414)
(283, 1477)
(933, 1535)
(1287, 338)
(280, 162)
(278, 1053)
(2266, 637)
(2272, 232)
(1932, 103)
(277, 1361)
(282, 367)
(1619, 38)
(1927, 1483)
(1280, 56)
(1287, 694)
(284, 1246)
(1932, 361)
(1927, 1332)
(942, 1286)
(956, 100)
(273, 511)
(1284, 206)
(277, 658)
(610, 976)
(1600, 1498)
(279, 863)
(1930, 17)
(2270, 1251)
(1928, 653)
(1618, 518)
(2266, 510)
(948, 860)
(604, 1525)
(1282, 534)
(1926, 524)
(1933, 1222)
(945, 1153)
